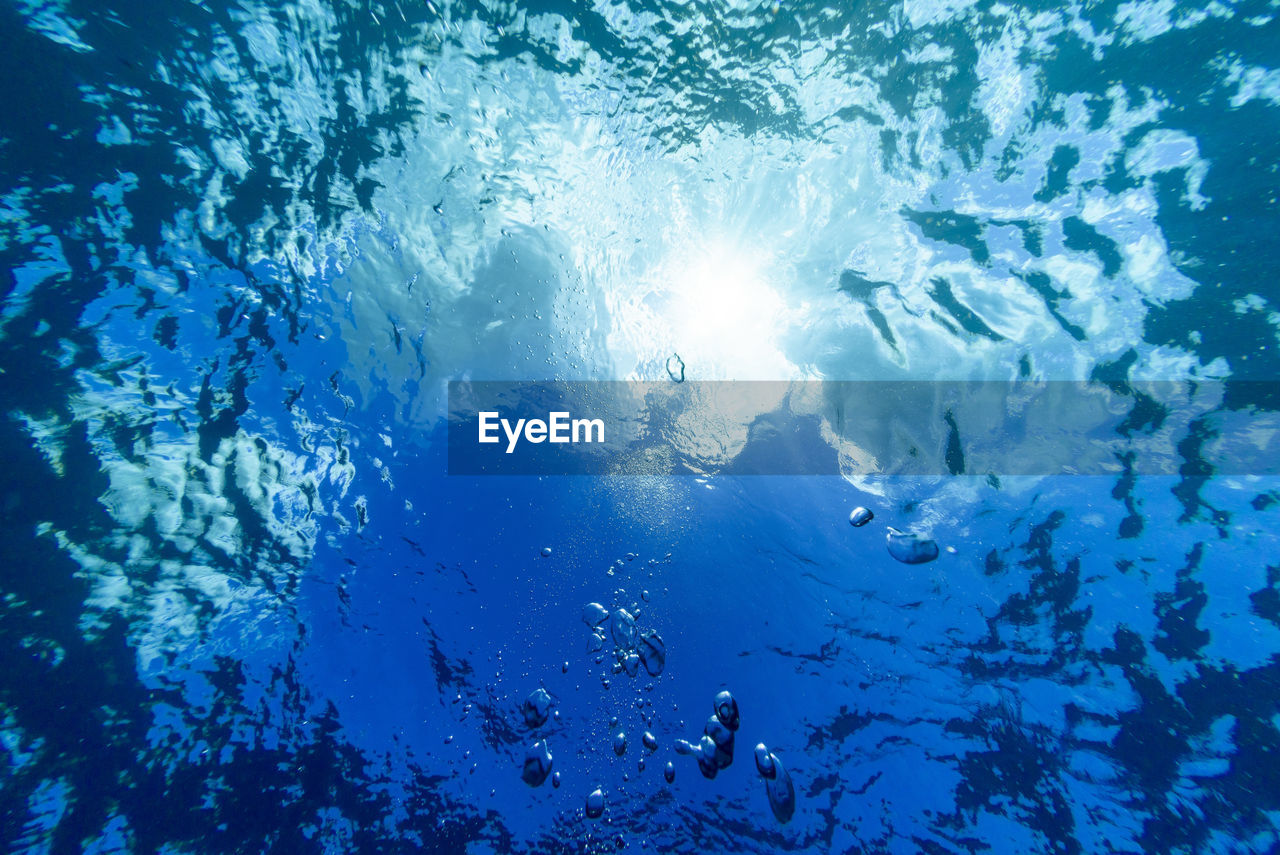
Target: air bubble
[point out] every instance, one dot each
(675, 368)
(778, 787)
(594, 614)
(623, 627)
(595, 804)
(764, 762)
(860, 516)
(721, 738)
(653, 652)
(537, 708)
(727, 710)
(537, 764)
(910, 548)
(706, 755)
(782, 792)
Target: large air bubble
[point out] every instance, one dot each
(537, 764)
(910, 548)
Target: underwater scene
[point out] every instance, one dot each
(581, 426)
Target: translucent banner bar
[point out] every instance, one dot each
(917, 428)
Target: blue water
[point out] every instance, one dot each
(245, 246)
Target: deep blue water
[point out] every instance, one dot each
(245, 246)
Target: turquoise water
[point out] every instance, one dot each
(246, 246)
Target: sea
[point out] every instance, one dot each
(943, 342)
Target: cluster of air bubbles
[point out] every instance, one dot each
(777, 783)
(536, 709)
(619, 564)
(632, 648)
(904, 546)
(714, 751)
(635, 648)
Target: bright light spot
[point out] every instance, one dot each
(724, 318)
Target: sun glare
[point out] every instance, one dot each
(725, 317)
